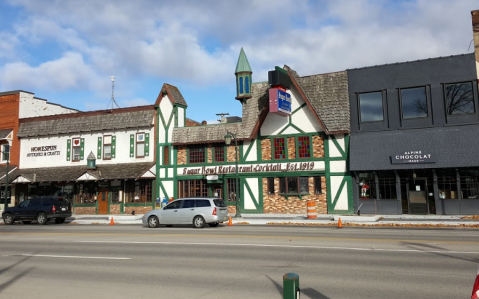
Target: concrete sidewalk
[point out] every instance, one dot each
(293, 219)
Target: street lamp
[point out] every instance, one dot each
(6, 156)
(228, 137)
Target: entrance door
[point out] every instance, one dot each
(103, 201)
(418, 195)
(217, 191)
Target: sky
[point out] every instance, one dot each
(65, 51)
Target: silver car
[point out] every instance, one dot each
(198, 211)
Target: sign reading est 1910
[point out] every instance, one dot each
(413, 157)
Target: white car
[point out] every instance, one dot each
(198, 211)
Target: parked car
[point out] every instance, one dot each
(198, 211)
(41, 209)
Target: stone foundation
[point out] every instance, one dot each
(84, 210)
(115, 209)
(138, 210)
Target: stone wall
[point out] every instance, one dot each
(138, 210)
(266, 149)
(230, 152)
(279, 204)
(181, 157)
(115, 209)
(84, 210)
(318, 146)
(209, 153)
(291, 148)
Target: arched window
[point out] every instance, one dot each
(241, 85)
(246, 84)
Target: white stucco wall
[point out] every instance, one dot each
(333, 149)
(253, 154)
(181, 117)
(54, 159)
(342, 202)
(33, 107)
(248, 200)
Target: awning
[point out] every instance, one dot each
(6, 134)
(446, 147)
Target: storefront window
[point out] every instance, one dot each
(86, 193)
(137, 191)
(446, 181)
(367, 186)
(231, 191)
(294, 185)
(191, 188)
(469, 183)
(387, 186)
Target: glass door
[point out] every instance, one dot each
(418, 195)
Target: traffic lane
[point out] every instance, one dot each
(341, 239)
(236, 272)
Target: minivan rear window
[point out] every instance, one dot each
(219, 203)
(202, 203)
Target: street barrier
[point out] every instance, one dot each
(291, 286)
(312, 210)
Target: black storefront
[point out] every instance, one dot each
(414, 137)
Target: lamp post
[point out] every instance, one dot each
(6, 156)
(228, 137)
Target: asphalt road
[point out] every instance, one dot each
(131, 261)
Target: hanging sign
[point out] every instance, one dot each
(279, 101)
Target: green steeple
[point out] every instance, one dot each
(243, 74)
(243, 64)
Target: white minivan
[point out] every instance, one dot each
(198, 211)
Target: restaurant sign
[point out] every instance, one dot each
(279, 102)
(413, 157)
(254, 168)
(42, 151)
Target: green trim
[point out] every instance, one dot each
(113, 146)
(338, 194)
(300, 131)
(132, 145)
(98, 152)
(147, 144)
(299, 108)
(160, 184)
(175, 112)
(249, 150)
(82, 148)
(69, 143)
(162, 120)
(336, 143)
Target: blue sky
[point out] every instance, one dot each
(65, 51)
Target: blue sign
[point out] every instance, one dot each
(279, 102)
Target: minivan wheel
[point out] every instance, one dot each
(153, 222)
(42, 218)
(198, 222)
(215, 224)
(59, 220)
(8, 219)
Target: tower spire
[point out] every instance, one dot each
(243, 75)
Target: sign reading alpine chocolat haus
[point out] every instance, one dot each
(413, 157)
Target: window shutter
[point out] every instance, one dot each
(113, 146)
(98, 156)
(132, 145)
(69, 143)
(147, 144)
(82, 148)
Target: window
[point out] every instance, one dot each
(231, 185)
(294, 185)
(304, 147)
(196, 155)
(279, 149)
(447, 184)
(200, 203)
(219, 153)
(270, 185)
(459, 98)
(5, 154)
(140, 145)
(469, 183)
(317, 185)
(188, 203)
(367, 186)
(174, 205)
(106, 147)
(166, 155)
(192, 188)
(138, 191)
(371, 106)
(86, 193)
(241, 85)
(76, 145)
(414, 103)
(246, 83)
(387, 186)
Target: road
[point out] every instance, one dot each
(131, 261)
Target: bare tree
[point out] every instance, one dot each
(459, 99)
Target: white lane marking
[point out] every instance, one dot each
(74, 256)
(286, 246)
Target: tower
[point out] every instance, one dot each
(243, 74)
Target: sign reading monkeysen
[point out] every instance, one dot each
(43, 151)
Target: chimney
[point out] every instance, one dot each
(475, 29)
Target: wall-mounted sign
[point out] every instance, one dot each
(269, 167)
(41, 151)
(212, 177)
(413, 157)
(279, 102)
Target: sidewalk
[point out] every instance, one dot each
(321, 220)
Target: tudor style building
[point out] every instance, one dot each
(286, 156)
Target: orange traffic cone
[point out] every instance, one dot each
(339, 223)
(230, 222)
(112, 222)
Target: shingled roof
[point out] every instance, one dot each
(328, 96)
(93, 121)
(4, 133)
(173, 93)
(3, 172)
(252, 110)
(72, 173)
